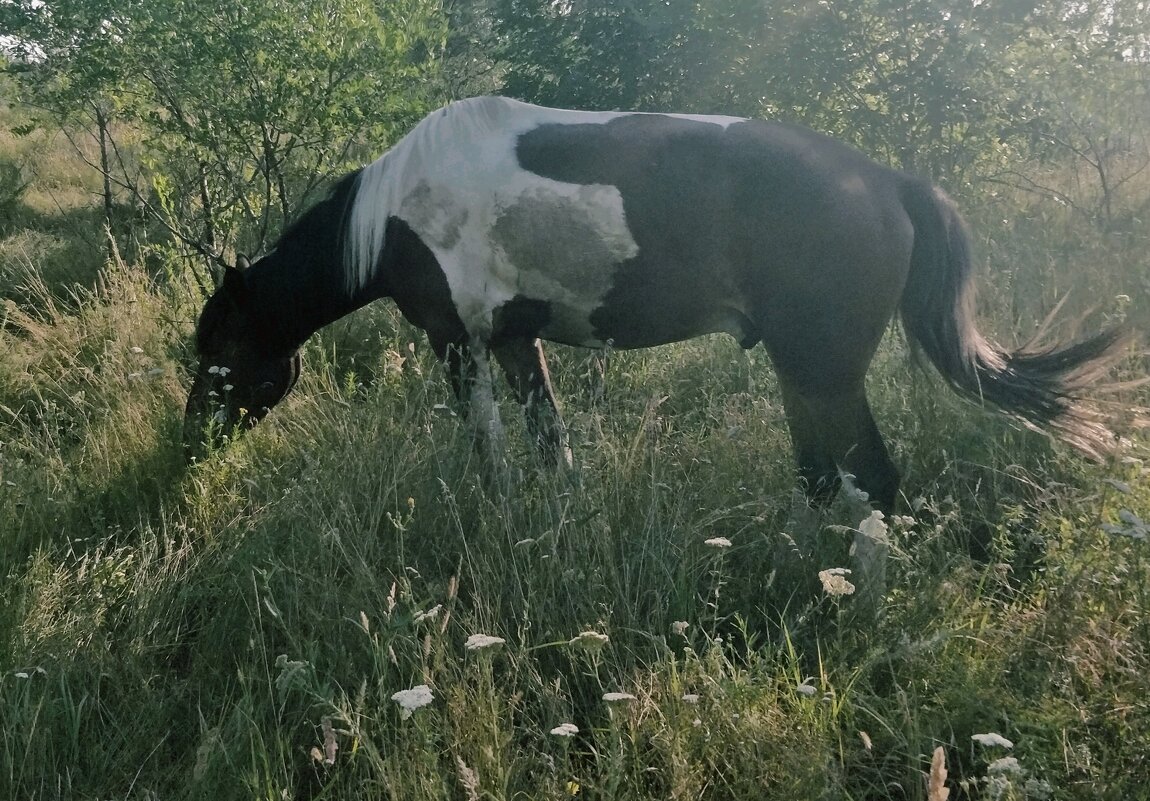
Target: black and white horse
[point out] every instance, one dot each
(494, 224)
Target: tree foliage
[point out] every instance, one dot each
(246, 107)
(934, 86)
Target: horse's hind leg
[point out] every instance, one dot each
(526, 369)
(851, 440)
(818, 473)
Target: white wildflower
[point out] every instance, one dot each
(136, 350)
(691, 698)
(1038, 789)
(229, 387)
(478, 642)
(992, 739)
(614, 697)
(805, 688)
(590, 640)
(718, 542)
(1005, 766)
(565, 730)
(834, 582)
(875, 529)
(679, 627)
(411, 700)
(430, 614)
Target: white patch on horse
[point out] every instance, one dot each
(561, 242)
(497, 230)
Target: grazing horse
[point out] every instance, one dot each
(495, 224)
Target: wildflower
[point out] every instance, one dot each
(718, 542)
(478, 642)
(430, 614)
(679, 627)
(875, 529)
(1006, 766)
(614, 697)
(805, 688)
(691, 698)
(866, 741)
(565, 730)
(835, 583)
(136, 350)
(992, 739)
(292, 672)
(590, 640)
(411, 700)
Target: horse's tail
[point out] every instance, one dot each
(1040, 386)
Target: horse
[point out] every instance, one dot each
(495, 224)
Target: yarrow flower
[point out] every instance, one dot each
(411, 700)
(805, 689)
(834, 581)
(679, 627)
(1006, 766)
(614, 697)
(691, 698)
(565, 730)
(992, 739)
(590, 640)
(718, 542)
(478, 642)
(430, 614)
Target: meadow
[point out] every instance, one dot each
(298, 615)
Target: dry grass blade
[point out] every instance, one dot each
(936, 789)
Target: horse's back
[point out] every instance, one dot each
(640, 229)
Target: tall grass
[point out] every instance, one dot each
(239, 629)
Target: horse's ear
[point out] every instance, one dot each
(234, 285)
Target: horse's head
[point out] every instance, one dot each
(239, 379)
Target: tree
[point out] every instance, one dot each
(244, 108)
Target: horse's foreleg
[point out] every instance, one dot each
(469, 370)
(526, 369)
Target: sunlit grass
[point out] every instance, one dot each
(646, 627)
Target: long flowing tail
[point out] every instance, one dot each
(1040, 386)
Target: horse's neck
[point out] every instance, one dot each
(296, 296)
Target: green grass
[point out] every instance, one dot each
(209, 633)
